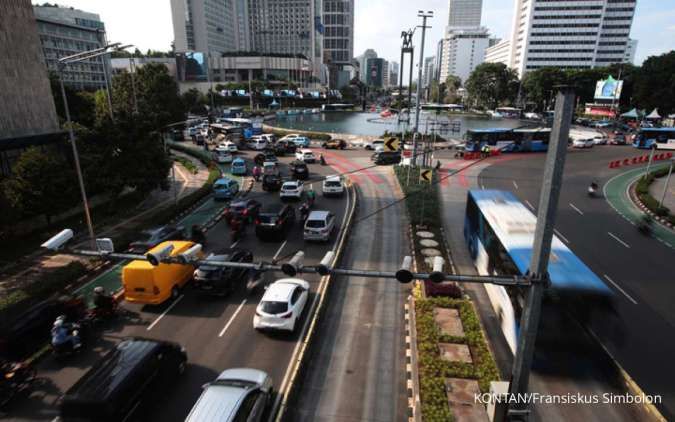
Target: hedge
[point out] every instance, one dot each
(642, 191)
(433, 370)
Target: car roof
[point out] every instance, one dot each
(333, 178)
(239, 160)
(318, 215)
(280, 290)
(305, 150)
(292, 182)
(218, 402)
(223, 181)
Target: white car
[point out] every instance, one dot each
(293, 189)
(333, 185)
(305, 155)
(229, 146)
(282, 304)
(257, 143)
(223, 155)
(600, 140)
(583, 143)
(374, 145)
(319, 226)
(290, 138)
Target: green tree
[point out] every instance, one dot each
(539, 84)
(492, 84)
(42, 183)
(80, 103)
(655, 84)
(452, 84)
(194, 101)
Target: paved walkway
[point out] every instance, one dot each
(656, 190)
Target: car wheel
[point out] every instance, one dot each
(175, 292)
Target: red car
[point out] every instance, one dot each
(246, 208)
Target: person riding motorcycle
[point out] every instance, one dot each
(322, 160)
(311, 196)
(64, 333)
(197, 234)
(236, 228)
(104, 304)
(593, 188)
(257, 172)
(645, 224)
(304, 211)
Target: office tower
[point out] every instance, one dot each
(208, 26)
(465, 13)
(463, 46)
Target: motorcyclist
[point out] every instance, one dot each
(322, 160)
(65, 333)
(236, 227)
(103, 303)
(592, 188)
(645, 224)
(304, 212)
(311, 197)
(257, 171)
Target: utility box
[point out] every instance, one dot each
(496, 409)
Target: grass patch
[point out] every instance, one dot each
(433, 370)
(189, 165)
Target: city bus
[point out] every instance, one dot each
(662, 137)
(508, 140)
(499, 231)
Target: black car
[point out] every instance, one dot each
(271, 183)
(299, 170)
(246, 208)
(282, 148)
(220, 281)
(270, 157)
(274, 221)
(153, 237)
(386, 157)
(135, 372)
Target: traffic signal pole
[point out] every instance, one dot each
(541, 251)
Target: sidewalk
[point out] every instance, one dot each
(656, 190)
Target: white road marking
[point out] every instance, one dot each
(165, 312)
(515, 184)
(619, 240)
(620, 289)
(561, 236)
(234, 245)
(234, 315)
(276, 255)
(529, 205)
(576, 209)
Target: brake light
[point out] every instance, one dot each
(245, 212)
(257, 222)
(286, 315)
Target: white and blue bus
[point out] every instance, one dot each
(508, 140)
(662, 137)
(499, 231)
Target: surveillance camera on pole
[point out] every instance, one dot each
(105, 246)
(55, 243)
(155, 258)
(404, 275)
(437, 275)
(190, 255)
(325, 265)
(292, 267)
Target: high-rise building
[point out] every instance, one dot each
(631, 49)
(428, 71)
(499, 53)
(394, 75)
(27, 113)
(465, 13)
(375, 70)
(570, 34)
(362, 59)
(338, 40)
(209, 26)
(66, 31)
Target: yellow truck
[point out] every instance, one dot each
(145, 283)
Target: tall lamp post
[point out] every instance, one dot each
(63, 62)
(424, 17)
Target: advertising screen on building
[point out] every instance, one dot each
(192, 66)
(608, 89)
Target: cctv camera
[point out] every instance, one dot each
(191, 254)
(404, 275)
(292, 267)
(324, 266)
(437, 275)
(155, 258)
(59, 240)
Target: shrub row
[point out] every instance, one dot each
(434, 370)
(642, 191)
(189, 165)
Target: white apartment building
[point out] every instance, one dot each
(463, 50)
(629, 57)
(570, 34)
(465, 13)
(499, 53)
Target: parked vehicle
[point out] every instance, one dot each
(271, 183)
(282, 304)
(274, 221)
(335, 144)
(148, 284)
(292, 189)
(238, 167)
(305, 155)
(583, 143)
(220, 281)
(302, 142)
(333, 185)
(618, 139)
(117, 387)
(299, 170)
(244, 208)
(153, 237)
(374, 145)
(240, 394)
(225, 188)
(600, 140)
(319, 226)
(386, 157)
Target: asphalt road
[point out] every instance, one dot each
(217, 333)
(639, 269)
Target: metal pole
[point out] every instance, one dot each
(410, 78)
(665, 188)
(541, 250)
(651, 158)
(107, 89)
(76, 157)
(250, 88)
(400, 84)
(132, 67)
(419, 86)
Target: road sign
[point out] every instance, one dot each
(426, 176)
(391, 144)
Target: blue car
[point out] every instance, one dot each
(238, 167)
(225, 188)
(301, 142)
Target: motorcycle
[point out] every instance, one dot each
(256, 280)
(66, 348)
(304, 211)
(237, 231)
(16, 379)
(592, 190)
(644, 226)
(322, 160)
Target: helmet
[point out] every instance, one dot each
(99, 290)
(59, 321)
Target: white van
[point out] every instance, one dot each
(319, 226)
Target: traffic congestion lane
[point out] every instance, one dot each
(638, 273)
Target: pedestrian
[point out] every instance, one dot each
(438, 165)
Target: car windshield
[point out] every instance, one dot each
(316, 224)
(268, 219)
(274, 307)
(333, 184)
(290, 187)
(239, 206)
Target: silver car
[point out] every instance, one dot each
(240, 394)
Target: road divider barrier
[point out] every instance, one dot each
(643, 159)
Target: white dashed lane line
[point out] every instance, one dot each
(620, 289)
(576, 209)
(619, 240)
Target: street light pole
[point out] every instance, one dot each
(424, 17)
(665, 188)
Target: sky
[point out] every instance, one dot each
(378, 23)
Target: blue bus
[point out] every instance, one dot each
(499, 231)
(508, 140)
(662, 137)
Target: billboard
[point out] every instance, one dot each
(192, 66)
(609, 89)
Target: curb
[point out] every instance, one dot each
(638, 202)
(411, 364)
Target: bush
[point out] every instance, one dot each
(642, 191)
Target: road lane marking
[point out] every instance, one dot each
(515, 184)
(165, 312)
(234, 315)
(619, 240)
(529, 205)
(620, 289)
(234, 245)
(576, 209)
(279, 251)
(561, 236)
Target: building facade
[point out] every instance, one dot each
(375, 70)
(362, 59)
(463, 51)
(499, 53)
(27, 112)
(120, 65)
(428, 71)
(338, 40)
(65, 31)
(570, 34)
(465, 13)
(631, 49)
(210, 26)
(394, 75)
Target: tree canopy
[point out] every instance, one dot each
(655, 84)
(492, 84)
